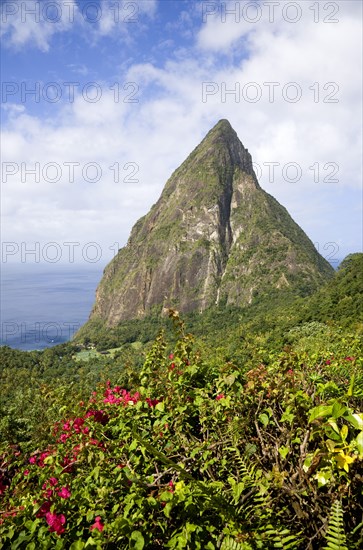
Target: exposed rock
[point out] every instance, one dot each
(214, 236)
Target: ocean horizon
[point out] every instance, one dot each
(43, 305)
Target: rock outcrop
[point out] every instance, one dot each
(213, 237)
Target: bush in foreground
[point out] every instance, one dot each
(200, 456)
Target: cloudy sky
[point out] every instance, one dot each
(102, 100)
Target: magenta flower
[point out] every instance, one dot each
(64, 492)
(55, 522)
(220, 396)
(44, 509)
(152, 402)
(98, 524)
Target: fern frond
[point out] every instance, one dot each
(335, 535)
(230, 544)
(283, 539)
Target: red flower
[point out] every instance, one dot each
(55, 522)
(328, 362)
(290, 371)
(349, 358)
(152, 402)
(220, 396)
(98, 416)
(32, 460)
(44, 509)
(3, 487)
(171, 356)
(98, 524)
(77, 423)
(26, 472)
(64, 492)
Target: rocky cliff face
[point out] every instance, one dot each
(214, 236)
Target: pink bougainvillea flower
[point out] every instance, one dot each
(66, 426)
(98, 416)
(328, 362)
(98, 524)
(290, 371)
(77, 424)
(220, 396)
(56, 522)
(349, 358)
(26, 472)
(53, 481)
(171, 356)
(64, 492)
(152, 402)
(63, 438)
(44, 509)
(42, 457)
(32, 460)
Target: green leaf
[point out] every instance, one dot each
(133, 445)
(160, 406)
(359, 440)
(344, 432)
(264, 419)
(284, 451)
(356, 420)
(77, 545)
(320, 411)
(137, 537)
(338, 410)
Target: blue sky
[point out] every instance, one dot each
(146, 81)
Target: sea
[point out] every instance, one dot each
(44, 305)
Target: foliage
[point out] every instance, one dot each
(193, 450)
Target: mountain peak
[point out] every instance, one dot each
(213, 237)
(222, 146)
(223, 126)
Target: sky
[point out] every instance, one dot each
(103, 100)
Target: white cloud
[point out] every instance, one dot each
(27, 22)
(34, 23)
